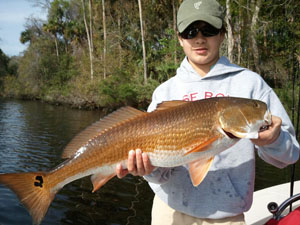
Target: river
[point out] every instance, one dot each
(32, 138)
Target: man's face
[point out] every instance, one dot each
(202, 52)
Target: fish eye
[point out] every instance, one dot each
(256, 105)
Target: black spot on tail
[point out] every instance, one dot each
(39, 181)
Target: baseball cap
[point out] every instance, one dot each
(190, 11)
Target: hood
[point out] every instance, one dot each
(186, 72)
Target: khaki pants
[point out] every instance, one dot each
(162, 214)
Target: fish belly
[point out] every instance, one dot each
(169, 158)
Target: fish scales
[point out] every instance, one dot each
(177, 133)
(158, 129)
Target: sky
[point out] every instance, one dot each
(13, 14)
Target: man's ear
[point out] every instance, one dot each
(180, 39)
(222, 36)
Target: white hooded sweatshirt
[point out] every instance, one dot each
(227, 189)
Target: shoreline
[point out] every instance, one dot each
(61, 101)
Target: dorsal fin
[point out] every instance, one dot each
(90, 132)
(169, 104)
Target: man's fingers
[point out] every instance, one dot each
(276, 121)
(271, 134)
(148, 166)
(120, 172)
(139, 162)
(131, 162)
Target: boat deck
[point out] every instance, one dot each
(259, 213)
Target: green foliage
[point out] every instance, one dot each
(288, 99)
(13, 65)
(3, 64)
(164, 56)
(8, 73)
(26, 36)
(10, 86)
(285, 95)
(56, 65)
(118, 90)
(144, 93)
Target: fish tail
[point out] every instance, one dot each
(33, 191)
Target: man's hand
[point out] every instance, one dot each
(270, 135)
(138, 164)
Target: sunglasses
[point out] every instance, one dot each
(192, 31)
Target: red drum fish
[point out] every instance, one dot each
(176, 133)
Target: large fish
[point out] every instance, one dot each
(176, 133)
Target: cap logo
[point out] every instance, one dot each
(197, 4)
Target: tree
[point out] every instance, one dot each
(114, 36)
(3, 63)
(143, 41)
(230, 41)
(253, 34)
(89, 33)
(51, 28)
(104, 38)
(174, 28)
(57, 21)
(33, 31)
(239, 37)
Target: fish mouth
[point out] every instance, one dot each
(230, 135)
(268, 117)
(267, 120)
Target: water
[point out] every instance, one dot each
(32, 138)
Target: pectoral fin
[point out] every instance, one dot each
(202, 146)
(99, 180)
(198, 170)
